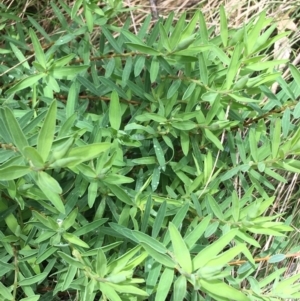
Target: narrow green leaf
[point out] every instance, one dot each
(189, 91)
(117, 179)
(88, 14)
(213, 249)
(287, 283)
(277, 258)
(144, 160)
(211, 229)
(69, 221)
(154, 69)
(111, 39)
(191, 26)
(296, 111)
(286, 122)
(243, 99)
(49, 182)
(33, 279)
(180, 288)
(203, 28)
(233, 66)
(101, 263)
(196, 234)
(163, 259)
(265, 65)
(155, 178)
(68, 72)
(255, 32)
(150, 241)
(89, 227)
(90, 86)
(164, 285)
(109, 292)
(295, 73)
(276, 139)
(72, 99)
(126, 71)
(65, 59)
(253, 144)
(224, 26)
(177, 32)
(16, 132)
(181, 252)
(70, 260)
(159, 153)
(112, 85)
(46, 183)
(92, 193)
(73, 239)
(20, 56)
(75, 8)
(5, 292)
(88, 152)
(132, 37)
(88, 293)
(275, 175)
(39, 28)
(164, 37)
(158, 222)
(227, 256)
(120, 194)
(184, 125)
(235, 206)
(220, 54)
(13, 172)
(127, 289)
(69, 276)
(270, 278)
(143, 49)
(221, 289)
(38, 50)
(173, 88)
(215, 207)
(120, 263)
(213, 139)
(115, 115)
(185, 142)
(46, 254)
(139, 65)
(46, 135)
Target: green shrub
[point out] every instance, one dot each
(143, 166)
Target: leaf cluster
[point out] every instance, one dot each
(143, 166)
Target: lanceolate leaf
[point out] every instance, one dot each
(224, 26)
(181, 252)
(17, 135)
(164, 285)
(88, 152)
(46, 136)
(219, 288)
(25, 83)
(115, 111)
(13, 172)
(213, 249)
(39, 53)
(75, 240)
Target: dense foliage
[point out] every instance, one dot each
(142, 166)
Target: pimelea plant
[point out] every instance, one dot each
(142, 166)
